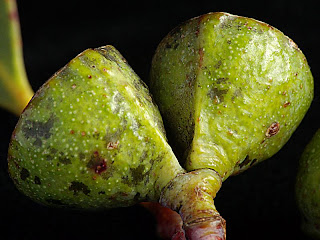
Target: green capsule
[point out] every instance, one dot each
(307, 187)
(231, 91)
(92, 138)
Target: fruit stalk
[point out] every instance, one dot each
(15, 90)
(191, 195)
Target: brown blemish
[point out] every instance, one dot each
(217, 95)
(37, 180)
(245, 162)
(273, 129)
(89, 76)
(96, 135)
(16, 164)
(222, 80)
(97, 163)
(253, 162)
(64, 159)
(73, 86)
(77, 187)
(286, 104)
(112, 145)
(24, 174)
(137, 174)
(218, 64)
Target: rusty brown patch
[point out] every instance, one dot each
(286, 104)
(273, 129)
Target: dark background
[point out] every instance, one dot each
(258, 204)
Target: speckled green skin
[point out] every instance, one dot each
(231, 91)
(307, 187)
(92, 138)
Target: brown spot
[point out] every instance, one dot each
(24, 174)
(216, 94)
(97, 163)
(89, 76)
(15, 162)
(218, 64)
(101, 167)
(222, 80)
(137, 174)
(73, 86)
(112, 145)
(83, 133)
(65, 159)
(37, 180)
(77, 187)
(273, 129)
(245, 162)
(72, 132)
(286, 104)
(253, 162)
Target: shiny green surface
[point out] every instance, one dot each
(307, 187)
(245, 88)
(92, 138)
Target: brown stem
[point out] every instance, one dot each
(191, 195)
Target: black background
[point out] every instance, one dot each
(258, 204)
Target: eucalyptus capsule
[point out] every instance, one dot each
(92, 138)
(307, 187)
(231, 91)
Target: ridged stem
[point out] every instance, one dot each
(192, 196)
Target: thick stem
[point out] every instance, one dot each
(191, 195)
